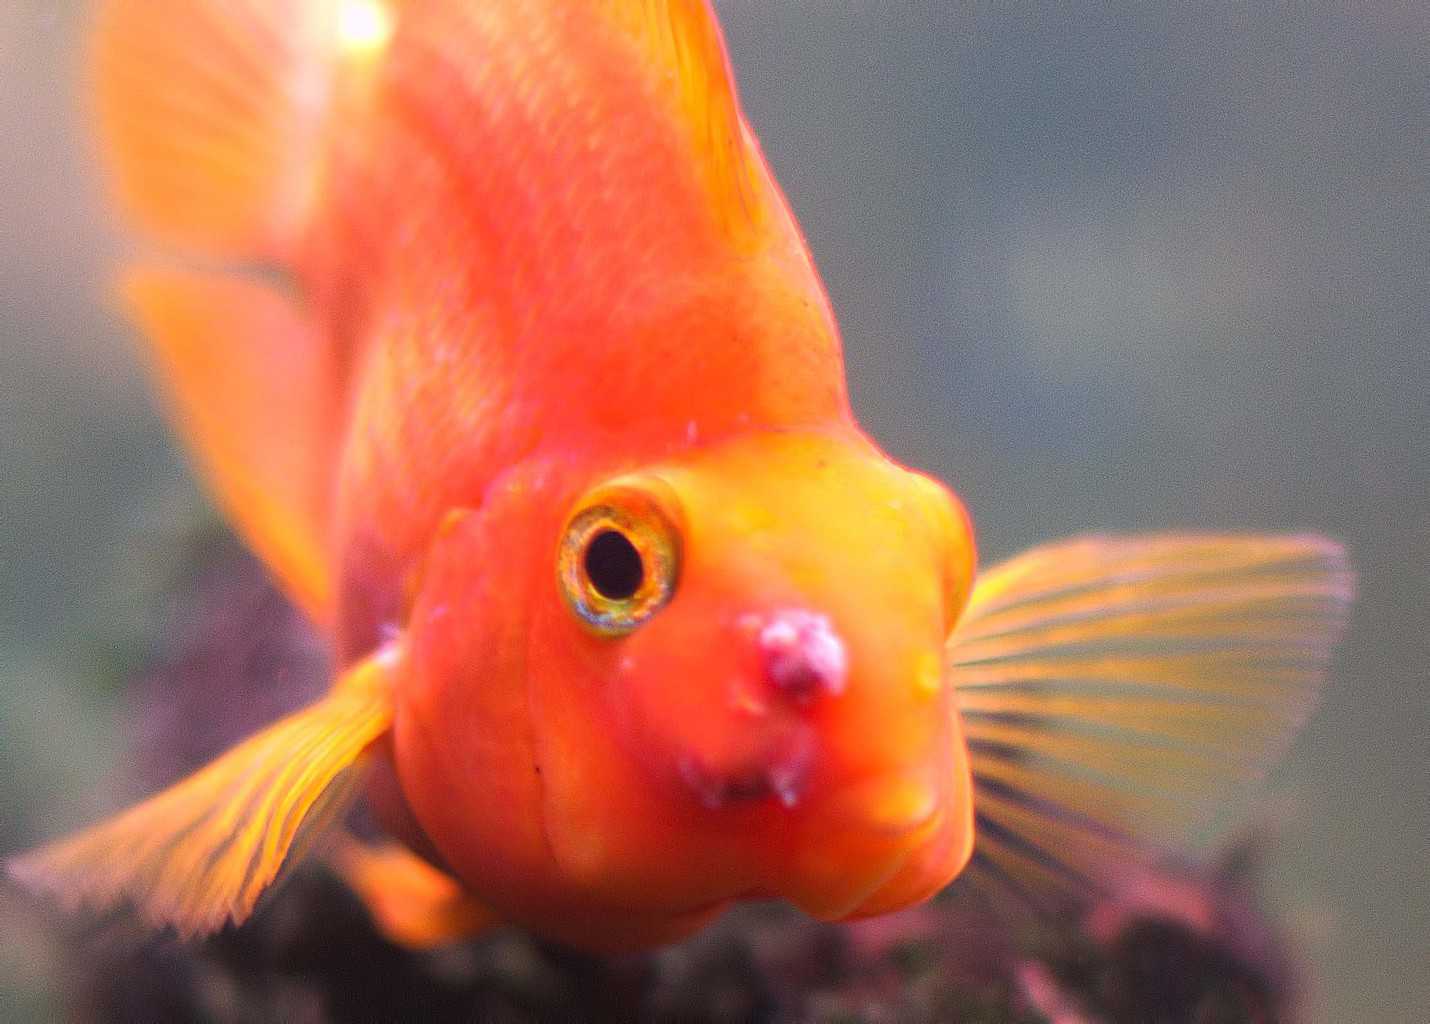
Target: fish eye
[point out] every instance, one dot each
(619, 559)
(614, 566)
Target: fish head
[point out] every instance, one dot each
(742, 690)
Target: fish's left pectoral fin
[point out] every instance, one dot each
(1114, 690)
(202, 852)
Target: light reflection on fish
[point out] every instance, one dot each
(495, 338)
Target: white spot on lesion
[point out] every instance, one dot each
(802, 649)
(787, 782)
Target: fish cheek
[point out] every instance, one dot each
(623, 828)
(951, 530)
(463, 734)
(940, 856)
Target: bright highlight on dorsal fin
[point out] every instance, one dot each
(681, 39)
(249, 383)
(1114, 689)
(201, 853)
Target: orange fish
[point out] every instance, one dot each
(494, 336)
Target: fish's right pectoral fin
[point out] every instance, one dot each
(1114, 690)
(412, 903)
(202, 852)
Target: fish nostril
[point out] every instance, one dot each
(802, 656)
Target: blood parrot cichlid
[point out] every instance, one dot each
(495, 338)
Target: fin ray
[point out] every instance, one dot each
(682, 38)
(1113, 688)
(202, 852)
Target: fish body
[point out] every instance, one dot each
(544, 273)
(495, 337)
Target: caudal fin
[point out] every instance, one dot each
(1114, 689)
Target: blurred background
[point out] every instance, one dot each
(1107, 271)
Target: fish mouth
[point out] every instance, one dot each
(782, 780)
(889, 805)
(872, 866)
(854, 842)
(776, 768)
(861, 840)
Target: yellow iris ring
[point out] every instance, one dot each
(642, 519)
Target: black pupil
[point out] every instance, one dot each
(613, 565)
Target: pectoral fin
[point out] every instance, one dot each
(200, 853)
(1115, 689)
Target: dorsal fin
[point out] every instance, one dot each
(681, 41)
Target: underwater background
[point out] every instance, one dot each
(1101, 271)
